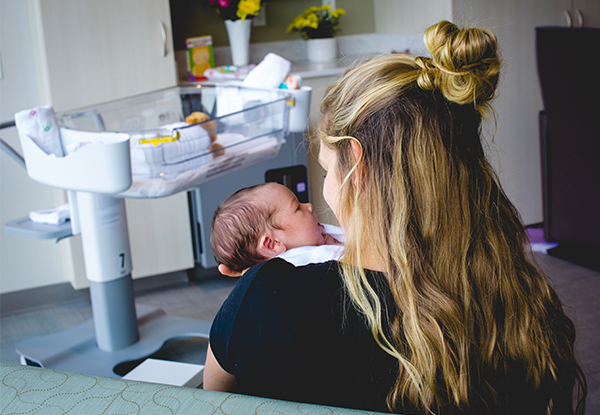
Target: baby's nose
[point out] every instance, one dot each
(310, 207)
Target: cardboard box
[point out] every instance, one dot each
(199, 57)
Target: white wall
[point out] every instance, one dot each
(24, 263)
(409, 17)
(515, 150)
(519, 102)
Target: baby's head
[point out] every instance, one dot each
(258, 223)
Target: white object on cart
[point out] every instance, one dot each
(52, 216)
(101, 165)
(269, 73)
(40, 125)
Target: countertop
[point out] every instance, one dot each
(306, 69)
(352, 49)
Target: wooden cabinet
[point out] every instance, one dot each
(89, 52)
(568, 13)
(97, 51)
(583, 13)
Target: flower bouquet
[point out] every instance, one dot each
(237, 15)
(236, 9)
(317, 22)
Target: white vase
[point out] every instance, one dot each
(321, 50)
(239, 40)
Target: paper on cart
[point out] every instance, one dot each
(39, 124)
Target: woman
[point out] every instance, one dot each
(437, 306)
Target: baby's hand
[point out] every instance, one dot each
(330, 240)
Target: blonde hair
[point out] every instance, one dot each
(475, 326)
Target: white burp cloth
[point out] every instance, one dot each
(39, 124)
(305, 255)
(52, 216)
(269, 73)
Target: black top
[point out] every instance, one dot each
(291, 333)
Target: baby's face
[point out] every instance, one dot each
(300, 225)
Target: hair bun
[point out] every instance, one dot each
(464, 64)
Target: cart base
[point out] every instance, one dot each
(76, 350)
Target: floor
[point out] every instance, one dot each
(578, 287)
(197, 300)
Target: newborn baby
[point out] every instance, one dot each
(264, 221)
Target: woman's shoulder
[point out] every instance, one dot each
(280, 273)
(278, 267)
(277, 283)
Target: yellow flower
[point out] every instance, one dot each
(246, 7)
(299, 22)
(337, 13)
(317, 21)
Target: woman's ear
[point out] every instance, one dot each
(269, 246)
(358, 175)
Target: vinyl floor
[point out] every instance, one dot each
(577, 286)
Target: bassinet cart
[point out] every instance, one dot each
(140, 147)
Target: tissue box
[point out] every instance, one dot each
(199, 57)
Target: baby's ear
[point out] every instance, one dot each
(225, 270)
(270, 247)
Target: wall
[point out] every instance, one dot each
(517, 143)
(24, 263)
(514, 146)
(197, 18)
(409, 17)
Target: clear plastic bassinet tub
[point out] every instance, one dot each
(169, 154)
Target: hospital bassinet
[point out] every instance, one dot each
(169, 155)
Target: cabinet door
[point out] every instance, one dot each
(590, 11)
(97, 51)
(560, 12)
(91, 52)
(160, 234)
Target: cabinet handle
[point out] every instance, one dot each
(579, 17)
(569, 20)
(163, 36)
